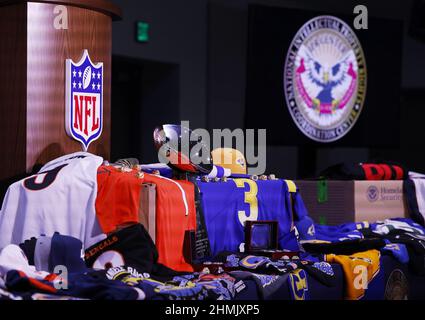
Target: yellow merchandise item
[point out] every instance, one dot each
(359, 270)
(229, 158)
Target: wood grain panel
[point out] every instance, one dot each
(103, 6)
(48, 49)
(12, 91)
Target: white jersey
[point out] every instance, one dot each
(13, 258)
(61, 197)
(419, 181)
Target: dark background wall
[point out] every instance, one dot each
(172, 83)
(194, 68)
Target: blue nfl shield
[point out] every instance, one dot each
(84, 100)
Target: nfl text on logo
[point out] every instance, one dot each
(84, 100)
(325, 78)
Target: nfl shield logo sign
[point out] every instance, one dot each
(84, 100)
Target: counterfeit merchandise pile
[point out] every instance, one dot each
(80, 229)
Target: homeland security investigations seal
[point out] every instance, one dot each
(325, 78)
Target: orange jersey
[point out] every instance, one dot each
(118, 204)
(370, 260)
(118, 198)
(175, 213)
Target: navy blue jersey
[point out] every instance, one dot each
(227, 205)
(346, 231)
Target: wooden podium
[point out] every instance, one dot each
(33, 51)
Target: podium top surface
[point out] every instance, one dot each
(103, 6)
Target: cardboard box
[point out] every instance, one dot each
(349, 201)
(379, 200)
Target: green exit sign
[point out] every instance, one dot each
(142, 31)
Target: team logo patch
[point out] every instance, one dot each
(223, 286)
(397, 287)
(324, 267)
(84, 100)
(253, 262)
(266, 279)
(298, 285)
(325, 78)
